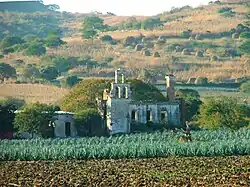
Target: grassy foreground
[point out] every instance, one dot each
(143, 145)
(171, 171)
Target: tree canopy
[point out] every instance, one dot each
(84, 94)
(34, 118)
(6, 71)
(222, 112)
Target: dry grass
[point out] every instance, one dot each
(33, 92)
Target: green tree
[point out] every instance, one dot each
(10, 41)
(89, 33)
(244, 47)
(222, 112)
(34, 118)
(7, 115)
(6, 72)
(35, 49)
(70, 81)
(245, 87)
(49, 72)
(53, 41)
(31, 73)
(151, 23)
(83, 95)
(192, 102)
(89, 123)
(91, 26)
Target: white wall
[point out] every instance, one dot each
(62, 119)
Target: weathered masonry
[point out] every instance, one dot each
(121, 110)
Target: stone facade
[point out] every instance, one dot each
(64, 125)
(121, 110)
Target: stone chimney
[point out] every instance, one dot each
(170, 83)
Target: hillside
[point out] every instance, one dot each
(193, 42)
(33, 92)
(22, 6)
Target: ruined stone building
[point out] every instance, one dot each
(120, 110)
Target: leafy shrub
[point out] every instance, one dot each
(245, 35)
(53, 41)
(222, 112)
(89, 123)
(70, 81)
(49, 72)
(10, 41)
(245, 87)
(186, 34)
(1, 56)
(35, 49)
(106, 38)
(8, 50)
(244, 47)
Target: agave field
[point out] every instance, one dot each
(143, 145)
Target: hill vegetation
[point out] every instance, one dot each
(209, 41)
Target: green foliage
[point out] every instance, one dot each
(31, 73)
(131, 24)
(244, 47)
(89, 33)
(91, 26)
(151, 23)
(8, 50)
(245, 35)
(145, 91)
(34, 118)
(187, 34)
(222, 112)
(89, 123)
(245, 87)
(49, 72)
(35, 49)
(140, 145)
(53, 41)
(7, 109)
(10, 41)
(84, 94)
(70, 81)
(226, 12)
(106, 38)
(6, 71)
(38, 24)
(192, 102)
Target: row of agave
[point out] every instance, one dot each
(144, 145)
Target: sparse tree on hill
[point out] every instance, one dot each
(6, 72)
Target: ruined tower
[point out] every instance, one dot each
(170, 83)
(118, 105)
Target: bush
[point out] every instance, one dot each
(245, 87)
(244, 47)
(245, 35)
(89, 123)
(53, 41)
(70, 81)
(222, 112)
(187, 34)
(8, 50)
(1, 56)
(106, 38)
(10, 41)
(35, 49)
